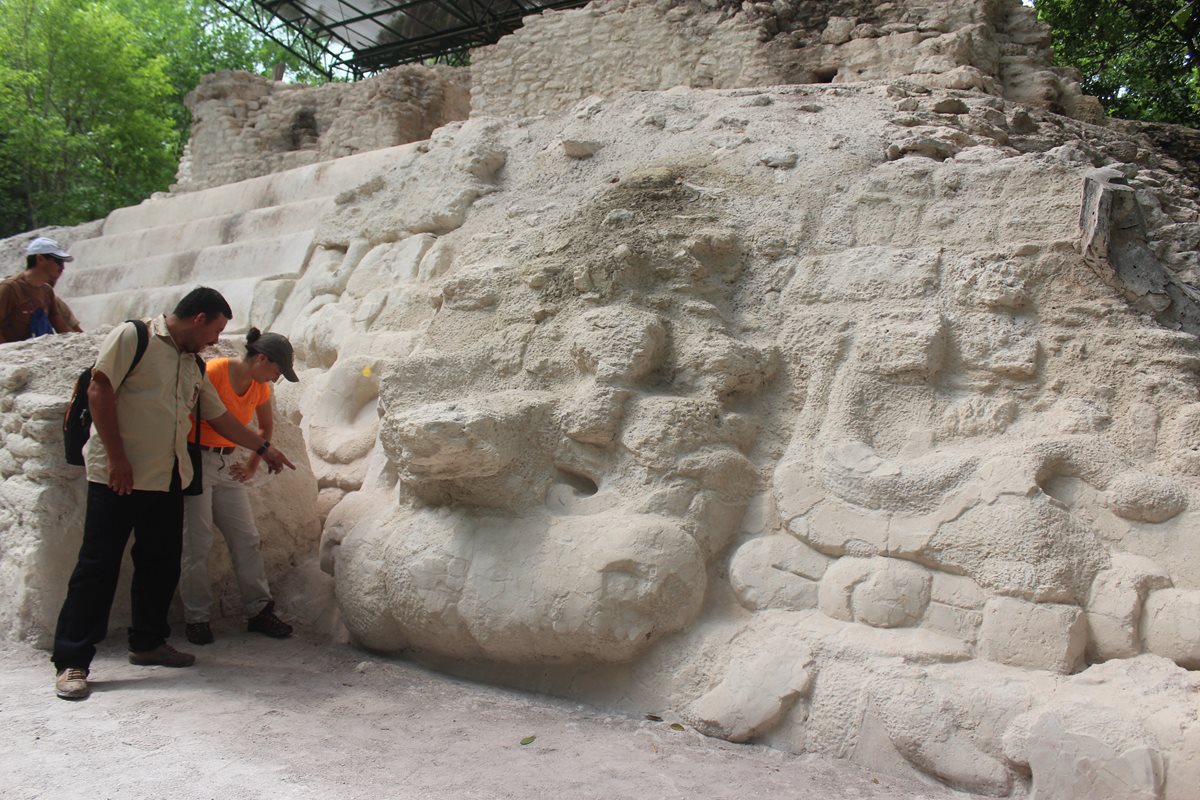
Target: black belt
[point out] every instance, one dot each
(222, 450)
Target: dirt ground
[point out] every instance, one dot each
(302, 718)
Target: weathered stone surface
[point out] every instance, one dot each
(1024, 548)
(880, 592)
(245, 126)
(1082, 753)
(844, 457)
(894, 596)
(755, 694)
(606, 585)
(580, 148)
(1123, 729)
(1114, 243)
(777, 572)
(1146, 498)
(1033, 635)
(1171, 625)
(1114, 606)
(635, 46)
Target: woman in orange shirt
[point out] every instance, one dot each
(245, 387)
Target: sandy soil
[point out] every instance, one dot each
(300, 718)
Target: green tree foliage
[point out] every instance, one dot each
(202, 37)
(91, 99)
(81, 122)
(1141, 58)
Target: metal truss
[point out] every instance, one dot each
(329, 58)
(356, 38)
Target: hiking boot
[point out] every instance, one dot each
(162, 656)
(198, 633)
(266, 623)
(71, 683)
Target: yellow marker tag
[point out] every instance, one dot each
(366, 372)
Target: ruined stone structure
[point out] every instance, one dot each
(245, 126)
(991, 46)
(856, 416)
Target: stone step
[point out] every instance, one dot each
(136, 282)
(262, 223)
(244, 259)
(246, 240)
(108, 309)
(327, 178)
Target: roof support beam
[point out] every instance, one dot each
(356, 38)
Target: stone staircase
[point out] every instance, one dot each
(249, 240)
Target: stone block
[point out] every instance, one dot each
(1082, 753)
(755, 693)
(1047, 636)
(894, 596)
(961, 623)
(836, 529)
(956, 590)
(1171, 625)
(836, 595)
(777, 572)
(880, 592)
(1114, 606)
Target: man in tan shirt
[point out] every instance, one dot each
(137, 465)
(28, 306)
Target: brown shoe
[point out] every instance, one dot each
(71, 683)
(266, 623)
(162, 656)
(198, 633)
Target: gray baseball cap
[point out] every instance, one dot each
(44, 246)
(277, 348)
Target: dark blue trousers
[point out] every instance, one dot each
(156, 520)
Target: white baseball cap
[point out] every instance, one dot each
(43, 246)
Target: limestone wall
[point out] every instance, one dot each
(245, 126)
(852, 419)
(559, 58)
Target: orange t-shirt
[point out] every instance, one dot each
(241, 406)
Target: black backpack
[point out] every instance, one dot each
(77, 422)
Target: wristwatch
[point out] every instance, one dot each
(263, 448)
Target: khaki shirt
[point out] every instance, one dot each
(153, 406)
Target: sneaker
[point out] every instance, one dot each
(198, 633)
(266, 623)
(71, 683)
(162, 656)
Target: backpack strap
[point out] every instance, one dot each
(143, 340)
(196, 430)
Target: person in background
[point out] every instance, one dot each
(28, 305)
(244, 385)
(68, 316)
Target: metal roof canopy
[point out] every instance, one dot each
(356, 38)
